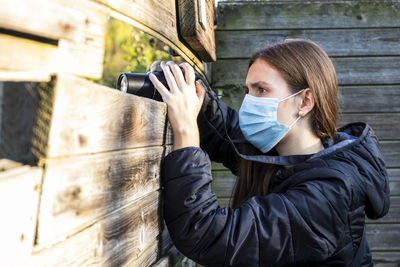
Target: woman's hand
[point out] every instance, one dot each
(184, 100)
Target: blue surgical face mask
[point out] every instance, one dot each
(259, 124)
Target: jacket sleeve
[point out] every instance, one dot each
(213, 114)
(276, 229)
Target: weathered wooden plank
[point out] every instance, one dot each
(76, 30)
(391, 153)
(298, 15)
(343, 42)
(223, 183)
(350, 71)
(19, 196)
(21, 55)
(103, 119)
(170, 259)
(383, 98)
(367, 70)
(196, 25)
(383, 237)
(394, 176)
(79, 190)
(53, 19)
(385, 125)
(126, 235)
(386, 259)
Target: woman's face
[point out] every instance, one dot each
(265, 81)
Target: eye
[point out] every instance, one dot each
(262, 90)
(246, 89)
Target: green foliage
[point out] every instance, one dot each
(128, 49)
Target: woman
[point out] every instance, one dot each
(308, 207)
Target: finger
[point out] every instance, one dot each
(189, 73)
(200, 91)
(154, 66)
(177, 73)
(160, 87)
(169, 77)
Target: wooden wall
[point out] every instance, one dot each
(80, 162)
(363, 39)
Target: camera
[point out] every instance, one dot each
(139, 84)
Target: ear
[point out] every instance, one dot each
(307, 102)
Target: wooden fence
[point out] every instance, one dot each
(89, 192)
(363, 39)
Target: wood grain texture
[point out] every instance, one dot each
(394, 176)
(309, 15)
(385, 125)
(76, 27)
(350, 71)
(383, 98)
(200, 39)
(103, 119)
(125, 235)
(19, 199)
(24, 59)
(386, 259)
(77, 191)
(336, 42)
(223, 183)
(391, 153)
(383, 237)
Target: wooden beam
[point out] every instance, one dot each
(51, 36)
(383, 237)
(196, 24)
(77, 191)
(103, 119)
(125, 235)
(19, 198)
(350, 71)
(391, 153)
(314, 15)
(386, 259)
(394, 176)
(336, 42)
(382, 123)
(223, 183)
(382, 98)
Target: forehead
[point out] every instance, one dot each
(262, 72)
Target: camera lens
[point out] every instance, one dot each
(124, 84)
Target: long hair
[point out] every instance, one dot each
(302, 64)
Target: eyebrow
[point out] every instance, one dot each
(259, 83)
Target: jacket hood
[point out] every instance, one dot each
(359, 143)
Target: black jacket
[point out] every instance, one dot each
(314, 215)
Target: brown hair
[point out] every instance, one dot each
(302, 64)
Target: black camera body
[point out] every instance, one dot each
(140, 84)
